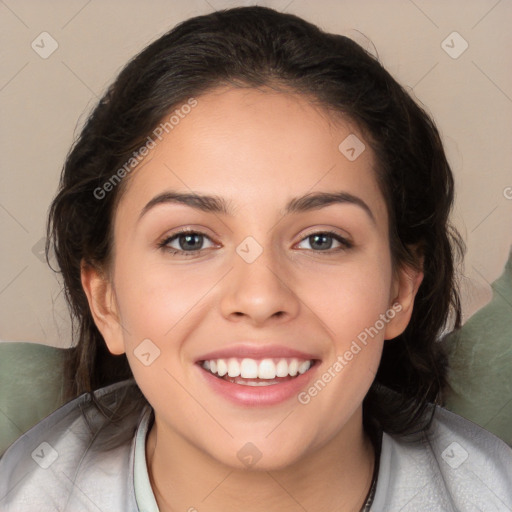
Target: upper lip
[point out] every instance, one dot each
(256, 352)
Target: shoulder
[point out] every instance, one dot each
(60, 463)
(454, 465)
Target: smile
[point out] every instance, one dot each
(249, 375)
(254, 372)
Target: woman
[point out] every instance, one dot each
(253, 233)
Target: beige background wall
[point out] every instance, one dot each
(45, 101)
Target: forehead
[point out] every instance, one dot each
(256, 148)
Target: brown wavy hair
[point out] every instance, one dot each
(259, 47)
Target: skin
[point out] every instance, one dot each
(257, 149)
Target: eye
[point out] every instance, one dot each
(185, 242)
(323, 241)
(188, 242)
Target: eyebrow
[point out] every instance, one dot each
(216, 204)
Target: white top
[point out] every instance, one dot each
(455, 466)
(143, 491)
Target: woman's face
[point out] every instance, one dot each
(288, 268)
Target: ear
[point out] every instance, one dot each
(405, 286)
(102, 303)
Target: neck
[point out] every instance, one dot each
(337, 476)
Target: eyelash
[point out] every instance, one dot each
(345, 244)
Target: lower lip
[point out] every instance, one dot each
(258, 395)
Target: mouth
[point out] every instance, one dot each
(251, 376)
(257, 372)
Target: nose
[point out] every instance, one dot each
(259, 292)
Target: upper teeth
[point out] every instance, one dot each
(253, 368)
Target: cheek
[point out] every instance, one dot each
(153, 297)
(349, 301)
(348, 298)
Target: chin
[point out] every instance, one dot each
(261, 454)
